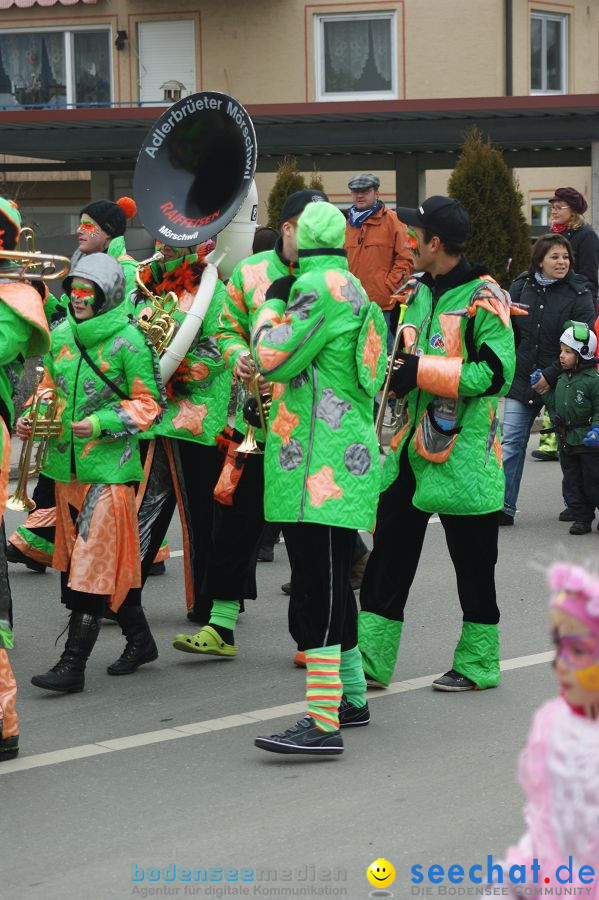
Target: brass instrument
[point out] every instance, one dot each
(33, 265)
(45, 423)
(401, 403)
(256, 411)
(160, 325)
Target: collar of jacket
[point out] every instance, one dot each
(461, 273)
(97, 329)
(278, 248)
(323, 259)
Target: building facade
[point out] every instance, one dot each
(83, 54)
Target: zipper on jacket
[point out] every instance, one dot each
(310, 440)
(73, 462)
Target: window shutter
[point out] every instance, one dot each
(167, 52)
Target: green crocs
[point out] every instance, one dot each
(206, 641)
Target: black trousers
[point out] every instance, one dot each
(231, 568)
(198, 467)
(580, 485)
(398, 541)
(322, 606)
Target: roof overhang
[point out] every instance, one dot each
(536, 130)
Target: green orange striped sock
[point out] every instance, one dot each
(323, 686)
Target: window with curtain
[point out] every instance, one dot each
(356, 56)
(54, 68)
(548, 53)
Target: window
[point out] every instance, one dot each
(548, 53)
(356, 57)
(55, 68)
(539, 212)
(167, 59)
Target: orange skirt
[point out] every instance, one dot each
(101, 548)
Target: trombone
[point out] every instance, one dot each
(256, 411)
(45, 423)
(32, 264)
(401, 403)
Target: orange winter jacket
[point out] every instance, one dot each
(378, 255)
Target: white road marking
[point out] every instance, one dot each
(224, 722)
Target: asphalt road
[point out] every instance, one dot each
(106, 790)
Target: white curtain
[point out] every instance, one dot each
(349, 45)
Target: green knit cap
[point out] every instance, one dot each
(10, 224)
(320, 225)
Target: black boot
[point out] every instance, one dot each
(67, 676)
(141, 647)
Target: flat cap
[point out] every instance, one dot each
(364, 182)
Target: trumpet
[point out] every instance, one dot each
(160, 325)
(45, 423)
(402, 402)
(31, 264)
(256, 411)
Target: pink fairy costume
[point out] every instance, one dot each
(559, 767)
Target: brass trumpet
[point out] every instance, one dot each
(34, 265)
(401, 403)
(161, 324)
(256, 411)
(45, 424)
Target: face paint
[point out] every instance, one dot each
(588, 678)
(578, 651)
(413, 241)
(88, 226)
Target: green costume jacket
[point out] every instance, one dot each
(23, 333)
(120, 350)
(198, 393)
(246, 290)
(467, 360)
(575, 399)
(324, 348)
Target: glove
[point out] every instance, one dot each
(591, 438)
(403, 379)
(536, 375)
(280, 288)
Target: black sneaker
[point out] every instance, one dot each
(545, 455)
(286, 588)
(580, 528)
(303, 737)
(9, 748)
(453, 681)
(566, 515)
(266, 554)
(157, 568)
(505, 518)
(351, 716)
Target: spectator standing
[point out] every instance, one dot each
(554, 294)
(377, 245)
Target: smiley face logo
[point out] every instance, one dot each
(380, 873)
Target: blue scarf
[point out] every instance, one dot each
(357, 217)
(543, 280)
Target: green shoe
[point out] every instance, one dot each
(207, 641)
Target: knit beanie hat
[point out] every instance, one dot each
(320, 225)
(10, 224)
(111, 217)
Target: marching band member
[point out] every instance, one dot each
(446, 455)
(322, 341)
(23, 332)
(240, 490)
(184, 459)
(107, 381)
(102, 226)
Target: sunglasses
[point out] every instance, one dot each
(579, 651)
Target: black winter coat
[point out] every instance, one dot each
(538, 333)
(585, 249)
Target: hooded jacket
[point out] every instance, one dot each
(121, 352)
(324, 350)
(575, 399)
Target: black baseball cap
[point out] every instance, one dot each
(296, 203)
(442, 216)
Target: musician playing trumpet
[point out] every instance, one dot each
(108, 387)
(240, 488)
(23, 332)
